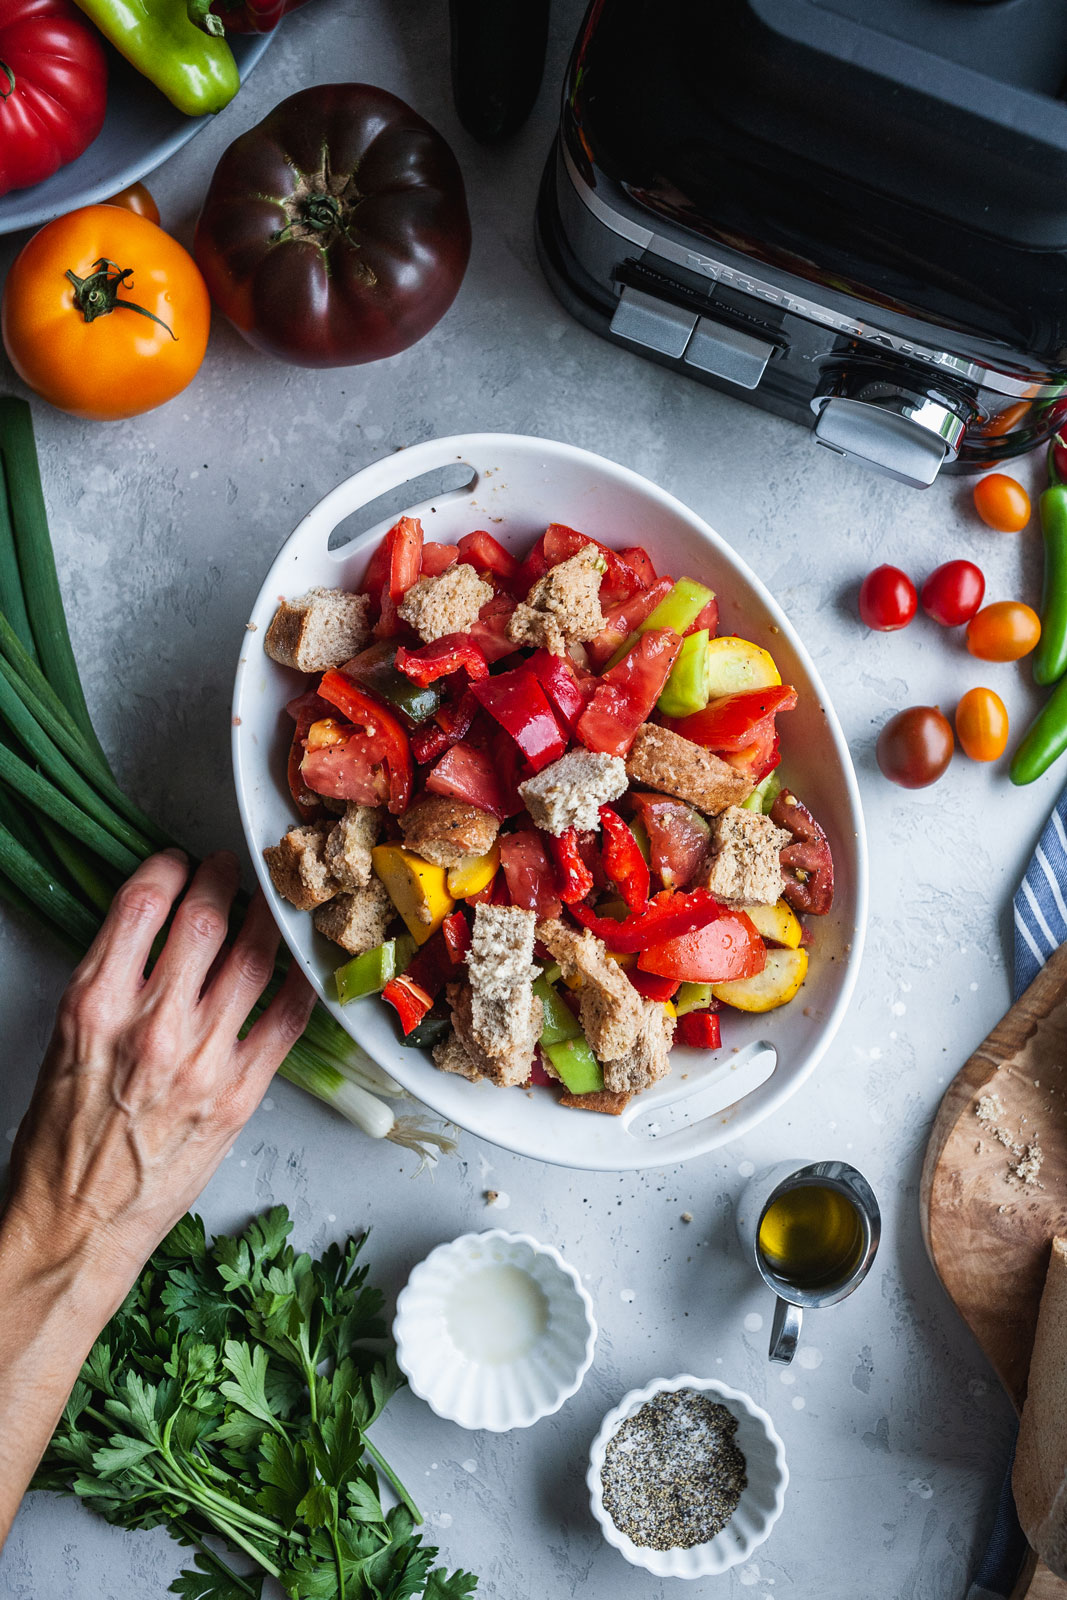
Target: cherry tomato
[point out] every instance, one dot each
(915, 747)
(1004, 631)
(138, 200)
(982, 725)
(953, 593)
(887, 599)
(1002, 503)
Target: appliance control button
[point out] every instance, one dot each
(906, 442)
(728, 353)
(654, 323)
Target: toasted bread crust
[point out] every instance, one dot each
(666, 761)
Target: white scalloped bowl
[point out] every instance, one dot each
(494, 1395)
(757, 1511)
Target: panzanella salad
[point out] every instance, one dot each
(540, 811)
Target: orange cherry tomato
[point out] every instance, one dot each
(104, 314)
(982, 725)
(1004, 631)
(137, 199)
(1002, 503)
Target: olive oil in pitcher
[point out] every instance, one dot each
(811, 1236)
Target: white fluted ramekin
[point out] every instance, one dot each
(496, 1396)
(757, 1511)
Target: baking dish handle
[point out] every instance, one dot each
(384, 476)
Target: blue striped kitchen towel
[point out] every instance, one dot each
(1040, 906)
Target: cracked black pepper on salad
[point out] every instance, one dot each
(539, 809)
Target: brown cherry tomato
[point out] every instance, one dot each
(1004, 631)
(138, 200)
(982, 725)
(915, 747)
(1002, 503)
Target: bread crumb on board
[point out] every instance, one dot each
(1027, 1158)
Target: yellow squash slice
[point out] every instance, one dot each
(774, 986)
(416, 887)
(735, 664)
(776, 923)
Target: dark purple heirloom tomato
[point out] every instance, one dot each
(336, 231)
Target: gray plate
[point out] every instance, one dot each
(141, 130)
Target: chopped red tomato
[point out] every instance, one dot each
(640, 564)
(625, 618)
(666, 917)
(619, 580)
(679, 840)
(405, 556)
(469, 775)
(410, 1000)
(558, 677)
(304, 710)
(707, 617)
(378, 743)
(626, 693)
(574, 877)
(756, 760)
(517, 701)
(428, 742)
(457, 936)
(700, 1030)
(623, 862)
(436, 558)
(453, 652)
(539, 1078)
(726, 947)
(651, 985)
(530, 879)
(807, 862)
(486, 554)
(490, 632)
(733, 721)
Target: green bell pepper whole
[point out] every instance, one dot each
(374, 671)
(677, 610)
(1050, 657)
(367, 973)
(688, 685)
(578, 1067)
(693, 997)
(559, 1023)
(195, 70)
(764, 794)
(1044, 741)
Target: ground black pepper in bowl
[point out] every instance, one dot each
(672, 1473)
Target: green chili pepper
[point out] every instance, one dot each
(693, 997)
(677, 610)
(688, 684)
(1045, 739)
(195, 70)
(559, 1023)
(577, 1066)
(1050, 657)
(366, 974)
(764, 794)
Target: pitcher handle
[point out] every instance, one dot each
(785, 1331)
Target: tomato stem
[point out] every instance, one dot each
(322, 211)
(98, 294)
(10, 76)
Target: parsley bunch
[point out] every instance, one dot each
(230, 1398)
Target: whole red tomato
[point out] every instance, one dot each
(915, 747)
(336, 231)
(250, 16)
(53, 89)
(953, 592)
(887, 599)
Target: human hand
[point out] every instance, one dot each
(145, 1083)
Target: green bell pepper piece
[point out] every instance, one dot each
(195, 70)
(553, 973)
(405, 951)
(560, 1023)
(764, 794)
(693, 997)
(373, 669)
(688, 685)
(677, 610)
(367, 973)
(640, 833)
(577, 1066)
(425, 1034)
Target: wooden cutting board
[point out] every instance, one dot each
(988, 1233)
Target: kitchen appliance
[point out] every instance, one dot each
(850, 212)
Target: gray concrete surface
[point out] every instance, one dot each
(895, 1429)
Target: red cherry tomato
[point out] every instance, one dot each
(1004, 631)
(982, 725)
(915, 747)
(953, 593)
(887, 599)
(1002, 503)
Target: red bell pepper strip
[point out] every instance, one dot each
(454, 652)
(558, 678)
(410, 999)
(574, 877)
(428, 742)
(304, 710)
(457, 935)
(623, 861)
(517, 701)
(734, 721)
(651, 985)
(667, 916)
(700, 1030)
(481, 551)
(626, 693)
(364, 712)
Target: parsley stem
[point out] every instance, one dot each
(338, 1563)
(214, 1559)
(384, 1467)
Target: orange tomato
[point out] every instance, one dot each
(1002, 503)
(982, 725)
(1004, 631)
(137, 199)
(105, 315)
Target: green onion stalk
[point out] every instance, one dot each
(69, 835)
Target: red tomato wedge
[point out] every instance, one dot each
(727, 948)
(807, 862)
(482, 551)
(470, 775)
(490, 632)
(626, 693)
(304, 710)
(639, 562)
(558, 543)
(405, 556)
(668, 916)
(530, 879)
(625, 618)
(707, 617)
(436, 558)
(733, 721)
(379, 741)
(679, 840)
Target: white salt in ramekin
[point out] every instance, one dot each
(757, 1511)
(494, 1396)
